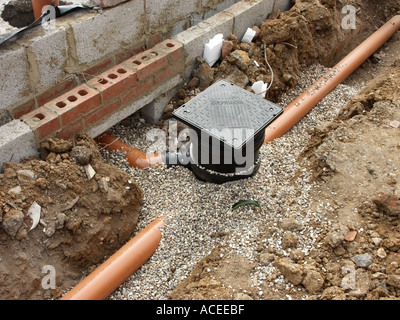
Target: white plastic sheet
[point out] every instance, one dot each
(213, 49)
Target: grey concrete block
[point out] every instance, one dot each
(211, 8)
(99, 35)
(248, 14)
(137, 105)
(164, 12)
(17, 141)
(283, 5)
(51, 53)
(14, 80)
(153, 112)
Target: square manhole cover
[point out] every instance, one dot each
(228, 113)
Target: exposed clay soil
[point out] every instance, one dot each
(82, 220)
(354, 160)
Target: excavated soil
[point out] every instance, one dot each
(82, 220)
(353, 160)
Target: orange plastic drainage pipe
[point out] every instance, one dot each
(113, 272)
(135, 157)
(38, 5)
(297, 109)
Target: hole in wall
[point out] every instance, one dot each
(60, 104)
(112, 76)
(103, 81)
(82, 93)
(72, 98)
(39, 116)
(122, 71)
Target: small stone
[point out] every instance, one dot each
(266, 258)
(169, 108)
(291, 224)
(395, 124)
(82, 155)
(9, 173)
(227, 47)
(12, 221)
(289, 240)
(381, 253)
(296, 255)
(16, 190)
(394, 281)
(336, 237)
(377, 241)
(241, 59)
(257, 30)
(103, 184)
(194, 83)
(57, 145)
(363, 283)
(90, 173)
(26, 175)
(313, 282)
(242, 296)
(362, 260)
(60, 220)
(291, 271)
(50, 229)
(351, 236)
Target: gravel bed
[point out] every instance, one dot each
(197, 211)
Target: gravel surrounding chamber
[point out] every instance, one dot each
(197, 212)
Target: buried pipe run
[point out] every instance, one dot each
(297, 109)
(135, 157)
(114, 271)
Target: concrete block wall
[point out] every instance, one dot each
(113, 84)
(45, 63)
(87, 106)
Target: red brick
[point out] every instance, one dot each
(147, 63)
(113, 82)
(70, 130)
(43, 122)
(23, 109)
(167, 74)
(75, 103)
(55, 91)
(154, 39)
(101, 113)
(137, 91)
(97, 69)
(175, 50)
(127, 54)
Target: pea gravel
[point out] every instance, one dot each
(197, 213)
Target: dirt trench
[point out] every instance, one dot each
(353, 160)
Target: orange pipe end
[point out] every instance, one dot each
(38, 5)
(297, 109)
(135, 157)
(114, 271)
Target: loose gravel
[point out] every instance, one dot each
(197, 212)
